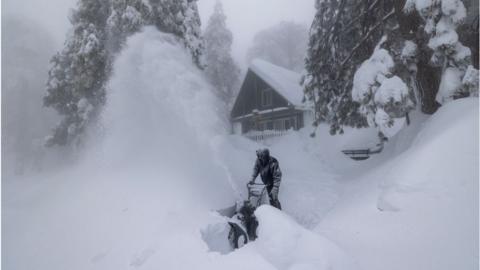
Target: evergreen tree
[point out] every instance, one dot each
(127, 17)
(343, 34)
(388, 96)
(440, 22)
(79, 73)
(419, 60)
(181, 18)
(76, 84)
(221, 69)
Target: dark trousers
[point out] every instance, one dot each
(274, 203)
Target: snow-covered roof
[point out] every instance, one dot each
(284, 81)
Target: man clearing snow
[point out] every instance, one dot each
(269, 170)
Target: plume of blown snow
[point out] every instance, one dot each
(158, 104)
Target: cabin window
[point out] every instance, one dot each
(267, 97)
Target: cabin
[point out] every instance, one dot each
(270, 103)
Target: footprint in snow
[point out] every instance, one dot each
(141, 258)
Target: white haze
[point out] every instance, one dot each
(247, 17)
(49, 14)
(26, 50)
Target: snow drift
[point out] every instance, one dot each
(289, 246)
(419, 209)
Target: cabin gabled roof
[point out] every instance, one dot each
(284, 81)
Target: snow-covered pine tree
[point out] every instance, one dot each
(221, 69)
(181, 18)
(342, 35)
(127, 17)
(420, 59)
(76, 83)
(78, 75)
(440, 21)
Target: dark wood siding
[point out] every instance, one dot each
(250, 97)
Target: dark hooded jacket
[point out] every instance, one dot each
(269, 172)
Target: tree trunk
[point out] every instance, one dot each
(428, 77)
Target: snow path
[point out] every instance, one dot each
(308, 189)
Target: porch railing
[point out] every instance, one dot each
(256, 135)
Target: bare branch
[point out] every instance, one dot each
(354, 20)
(369, 33)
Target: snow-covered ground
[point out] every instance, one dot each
(417, 209)
(144, 190)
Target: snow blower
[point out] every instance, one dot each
(241, 223)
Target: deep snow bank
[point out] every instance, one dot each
(287, 245)
(419, 210)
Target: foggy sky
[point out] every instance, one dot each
(49, 14)
(244, 17)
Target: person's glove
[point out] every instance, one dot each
(274, 193)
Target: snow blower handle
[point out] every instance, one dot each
(255, 190)
(252, 183)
